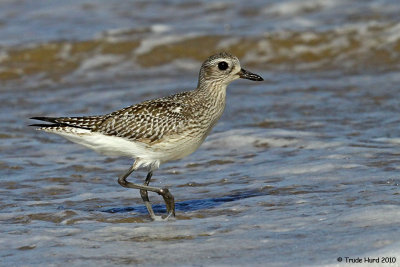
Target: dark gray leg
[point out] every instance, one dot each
(164, 192)
(145, 196)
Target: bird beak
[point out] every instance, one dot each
(244, 74)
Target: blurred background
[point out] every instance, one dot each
(302, 168)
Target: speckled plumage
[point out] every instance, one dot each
(147, 122)
(159, 130)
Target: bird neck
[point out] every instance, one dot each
(213, 86)
(211, 91)
(210, 96)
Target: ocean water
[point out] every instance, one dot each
(301, 170)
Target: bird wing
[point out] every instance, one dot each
(147, 122)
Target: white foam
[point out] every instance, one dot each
(314, 168)
(156, 40)
(226, 42)
(367, 216)
(65, 52)
(298, 7)
(116, 31)
(3, 55)
(98, 61)
(160, 28)
(388, 140)
(242, 139)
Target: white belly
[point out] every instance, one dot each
(148, 155)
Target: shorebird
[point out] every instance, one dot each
(156, 131)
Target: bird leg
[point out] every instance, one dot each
(164, 192)
(145, 195)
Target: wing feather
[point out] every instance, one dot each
(147, 122)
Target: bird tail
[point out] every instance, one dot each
(52, 120)
(75, 122)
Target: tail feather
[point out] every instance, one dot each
(49, 119)
(57, 122)
(45, 125)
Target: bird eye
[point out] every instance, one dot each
(222, 65)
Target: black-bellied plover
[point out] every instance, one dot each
(157, 131)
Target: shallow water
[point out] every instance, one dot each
(302, 168)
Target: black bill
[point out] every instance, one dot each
(244, 74)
